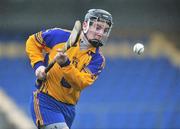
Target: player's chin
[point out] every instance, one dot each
(98, 38)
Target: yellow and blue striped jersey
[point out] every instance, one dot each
(64, 83)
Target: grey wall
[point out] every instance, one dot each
(129, 15)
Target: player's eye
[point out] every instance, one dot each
(106, 30)
(98, 27)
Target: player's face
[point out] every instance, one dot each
(98, 30)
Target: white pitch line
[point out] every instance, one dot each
(15, 116)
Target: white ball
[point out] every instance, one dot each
(138, 48)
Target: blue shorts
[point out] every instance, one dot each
(46, 110)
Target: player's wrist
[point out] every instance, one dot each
(38, 64)
(66, 63)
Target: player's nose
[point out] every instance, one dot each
(99, 34)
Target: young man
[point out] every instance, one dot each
(53, 103)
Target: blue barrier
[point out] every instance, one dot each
(130, 93)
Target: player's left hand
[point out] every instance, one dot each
(61, 57)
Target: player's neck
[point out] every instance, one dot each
(84, 44)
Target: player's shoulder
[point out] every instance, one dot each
(98, 56)
(97, 62)
(56, 32)
(55, 36)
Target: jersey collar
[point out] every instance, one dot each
(92, 49)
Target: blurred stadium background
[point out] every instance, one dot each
(133, 92)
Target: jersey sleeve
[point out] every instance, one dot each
(44, 41)
(34, 51)
(81, 79)
(51, 37)
(96, 65)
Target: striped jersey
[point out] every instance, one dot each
(64, 83)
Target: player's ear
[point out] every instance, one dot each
(85, 26)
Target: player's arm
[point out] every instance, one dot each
(44, 40)
(81, 79)
(35, 46)
(34, 49)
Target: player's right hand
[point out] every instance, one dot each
(61, 57)
(40, 73)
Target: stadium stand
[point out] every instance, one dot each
(132, 92)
